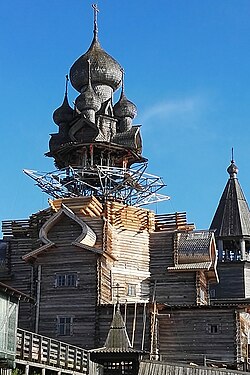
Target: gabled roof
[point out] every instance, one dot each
(232, 217)
(86, 240)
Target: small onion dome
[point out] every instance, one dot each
(232, 169)
(63, 114)
(104, 69)
(125, 108)
(88, 100)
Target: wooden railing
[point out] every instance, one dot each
(35, 348)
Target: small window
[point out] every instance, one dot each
(66, 280)
(131, 290)
(212, 293)
(64, 325)
(214, 328)
(202, 295)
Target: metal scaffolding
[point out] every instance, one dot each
(131, 186)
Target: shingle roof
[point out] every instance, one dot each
(127, 138)
(117, 336)
(117, 340)
(232, 217)
(191, 266)
(194, 246)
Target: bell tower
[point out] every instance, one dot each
(231, 223)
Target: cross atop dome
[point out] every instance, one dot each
(96, 11)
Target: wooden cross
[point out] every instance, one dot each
(117, 287)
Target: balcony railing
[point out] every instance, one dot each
(35, 348)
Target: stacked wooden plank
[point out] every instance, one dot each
(129, 217)
(171, 222)
(89, 206)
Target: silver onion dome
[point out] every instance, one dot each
(125, 108)
(232, 169)
(64, 114)
(104, 68)
(88, 99)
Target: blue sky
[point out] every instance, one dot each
(187, 67)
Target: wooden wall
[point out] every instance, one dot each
(78, 302)
(247, 279)
(231, 281)
(127, 240)
(186, 335)
(21, 278)
(168, 287)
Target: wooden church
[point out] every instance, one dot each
(96, 244)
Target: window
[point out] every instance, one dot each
(212, 293)
(131, 290)
(65, 325)
(214, 328)
(67, 280)
(202, 295)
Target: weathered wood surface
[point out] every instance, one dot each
(229, 271)
(136, 318)
(43, 350)
(88, 206)
(172, 222)
(168, 368)
(172, 288)
(186, 335)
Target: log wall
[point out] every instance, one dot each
(190, 334)
(173, 288)
(226, 289)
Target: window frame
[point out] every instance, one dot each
(64, 325)
(214, 328)
(66, 280)
(131, 290)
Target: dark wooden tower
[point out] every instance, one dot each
(231, 223)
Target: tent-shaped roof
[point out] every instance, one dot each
(117, 338)
(232, 217)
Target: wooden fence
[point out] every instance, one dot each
(41, 350)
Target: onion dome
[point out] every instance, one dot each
(232, 169)
(124, 107)
(88, 99)
(104, 68)
(64, 114)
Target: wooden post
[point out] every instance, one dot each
(143, 326)
(39, 272)
(134, 324)
(153, 321)
(125, 313)
(243, 249)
